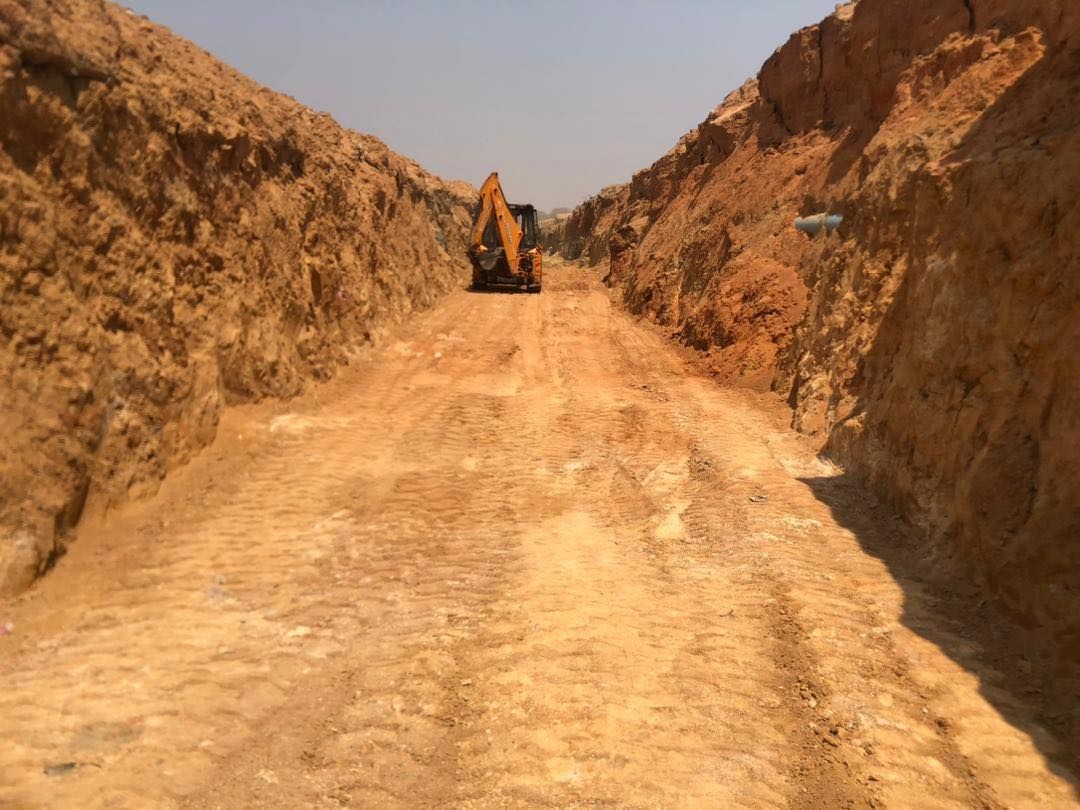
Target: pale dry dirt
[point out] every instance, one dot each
(522, 554)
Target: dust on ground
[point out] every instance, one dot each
(520, 556)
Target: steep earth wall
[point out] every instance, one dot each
(933, 342)
(585, 233)
(173, 238)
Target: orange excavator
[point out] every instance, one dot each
(505, 248)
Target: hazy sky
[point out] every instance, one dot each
(562, 98)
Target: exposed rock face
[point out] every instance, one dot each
(174, 237)
(934, 341)
(552, 232)
(585, 232)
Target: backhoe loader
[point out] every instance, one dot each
(505, 248)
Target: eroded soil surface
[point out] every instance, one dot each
(523, 555)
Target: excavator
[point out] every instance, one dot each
(505, 248)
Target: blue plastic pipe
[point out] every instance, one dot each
(813, 224)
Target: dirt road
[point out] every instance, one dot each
(522, 555)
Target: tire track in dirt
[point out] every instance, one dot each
(631, 470)
(953, 772)
(510, 560)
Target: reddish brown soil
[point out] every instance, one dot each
(174, 237)
(933, 343)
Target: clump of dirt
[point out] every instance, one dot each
(933, 341)
(173, 238)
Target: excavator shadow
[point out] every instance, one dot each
(497, 290)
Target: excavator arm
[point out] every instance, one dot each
(494, 208)
(505, 246)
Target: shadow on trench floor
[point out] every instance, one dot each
(1017, 674)
(499, 290)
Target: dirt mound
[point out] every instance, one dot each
(175, 237)
(933, 341)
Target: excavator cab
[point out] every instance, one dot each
(527, 221)
(505, 249)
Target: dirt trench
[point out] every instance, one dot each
(523, 555)
(174, 239)
(931, 343)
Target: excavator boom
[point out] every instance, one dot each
(504, 249)
(495, 209)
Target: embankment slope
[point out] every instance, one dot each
(173, 238)
(933, 343)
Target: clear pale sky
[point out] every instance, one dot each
(561, 98)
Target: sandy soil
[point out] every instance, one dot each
(522, 555)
